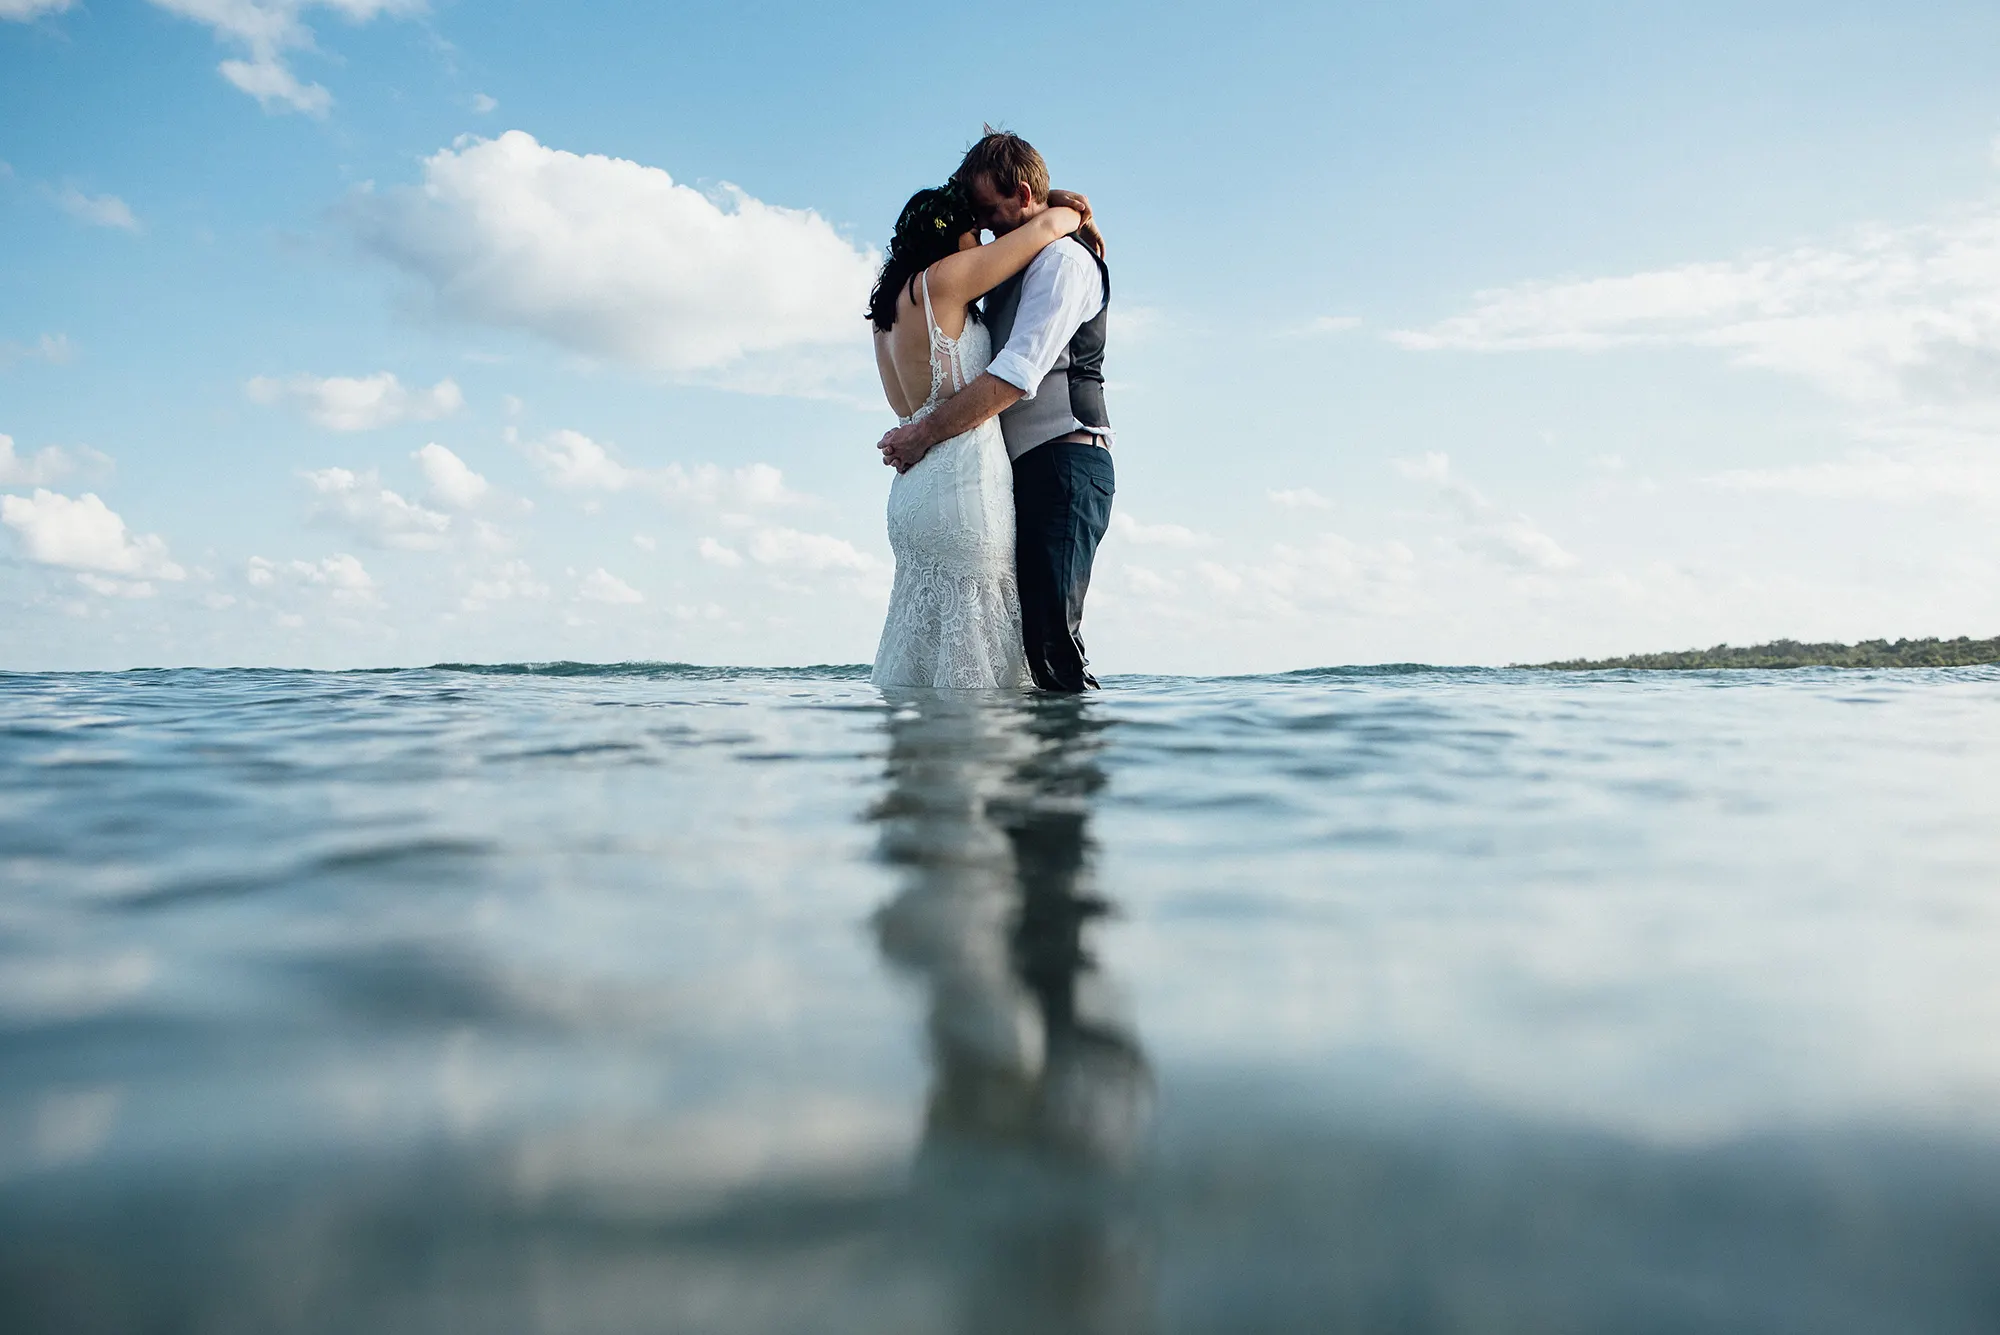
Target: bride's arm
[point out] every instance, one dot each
(970, 274)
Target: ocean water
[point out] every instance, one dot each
(659, 998)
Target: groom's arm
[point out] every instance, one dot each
(985, 398)
(1061, 290)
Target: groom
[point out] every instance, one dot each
(1046, 383)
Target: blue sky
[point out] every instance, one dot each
(375, 332)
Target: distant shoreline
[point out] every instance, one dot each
(1961, 652)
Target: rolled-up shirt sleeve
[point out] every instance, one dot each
(1061, 290)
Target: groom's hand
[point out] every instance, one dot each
(902, 447)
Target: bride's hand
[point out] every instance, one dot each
(1087, 231)
(1070, 199)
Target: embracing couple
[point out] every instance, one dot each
(1003, 458)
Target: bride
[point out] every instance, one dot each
(955, 611)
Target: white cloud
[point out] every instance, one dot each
(108, 587)
(715, 553)
(573, 461)
(1900, 323)
(1886, 315)
(1156, 535)
(96, 210)
(645, 542)
(482, 105)
(340, 572)
(359, 502)
(271, 81)
(55, 349)
(1299, 498)
(84, 534)
(601, 586)
(1916, 475)
(1287, 583)
(359, 403)
(788, 548)
(341, 576)
(615, 259)
(753, 486)
(42, 467)
(20, 11)
(451, 481)
(266, 30)
(1134, 323)
(1511, 540)
(510, 581)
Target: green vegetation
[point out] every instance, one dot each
(1960, 652)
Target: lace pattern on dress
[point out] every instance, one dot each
(955, 611)
(947, 359)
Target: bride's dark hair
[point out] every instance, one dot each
(927, 231)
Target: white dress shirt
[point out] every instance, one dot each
(1060, 291)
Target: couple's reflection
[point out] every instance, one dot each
(988, 816)
(1040, 1093)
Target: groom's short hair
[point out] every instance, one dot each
(1009, 160)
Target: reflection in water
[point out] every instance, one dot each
(390, 1002)
(1040, 1093)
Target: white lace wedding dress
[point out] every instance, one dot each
(955, 612)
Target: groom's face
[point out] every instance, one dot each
(998, 213)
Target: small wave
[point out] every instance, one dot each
(663, 671)
(1379, 670)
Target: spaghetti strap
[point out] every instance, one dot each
(930, 319)
(946, 359)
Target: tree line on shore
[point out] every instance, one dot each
(1961, 652)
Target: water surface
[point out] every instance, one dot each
(660, 998)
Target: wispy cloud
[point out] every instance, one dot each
(572, 461)
(1900, 324)
(1884, 315)
(341, 576)
(511, 581)
(55, 349)
(358, 403)
(1298, 498)
(266, 31)
(601, 586)
(792, 549)
(96, 210)
(1129, 528)
(21, 11)
(1920, 457)
(38, 469)
(1485, 529)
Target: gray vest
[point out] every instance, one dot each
(1073, 390)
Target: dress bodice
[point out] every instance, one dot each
(955, 362)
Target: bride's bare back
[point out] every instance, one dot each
(903, 354)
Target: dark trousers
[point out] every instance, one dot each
(1062, 504)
